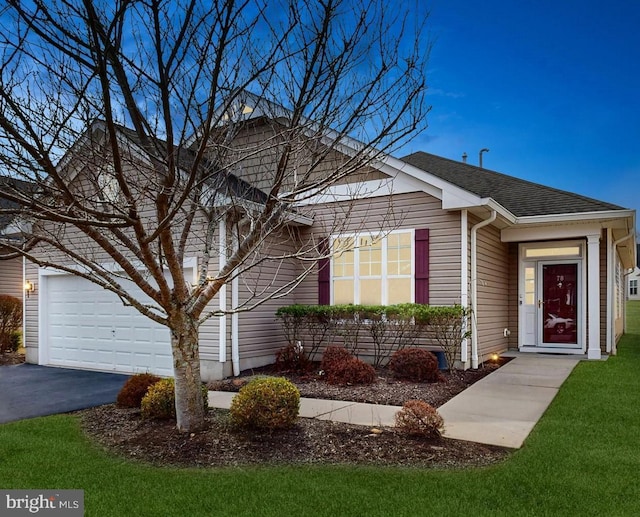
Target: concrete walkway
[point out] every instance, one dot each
(374, 415)
(500, 409)
(503, 408)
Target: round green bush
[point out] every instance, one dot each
(266, 403)
(135, 389)
(160, 400)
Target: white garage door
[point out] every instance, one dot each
(89, 327)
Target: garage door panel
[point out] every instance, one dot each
(89, 327)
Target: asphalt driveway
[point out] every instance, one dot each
(29, 390)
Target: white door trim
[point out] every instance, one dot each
(537, 262)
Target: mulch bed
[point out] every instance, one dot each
(310, 441)
(11, 358)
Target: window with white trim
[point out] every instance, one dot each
(373, 269)
(633, 288)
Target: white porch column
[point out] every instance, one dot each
(593, 296)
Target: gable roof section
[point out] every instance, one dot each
(220, 180)
(522, 198)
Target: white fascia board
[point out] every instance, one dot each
(578, 217)
(364, 189)
(558, 231)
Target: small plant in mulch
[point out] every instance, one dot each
(266, 403)
(352, 372)
(416, 365)
(292, 358)
(160, 400)
(135, 389)
(417, 418)
(333, 356)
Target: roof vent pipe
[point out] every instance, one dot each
(485, 150)
(464, 157)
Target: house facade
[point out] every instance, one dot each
(633, 279)
(542, 270)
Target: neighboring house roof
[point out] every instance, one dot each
(8, 184)
(522, 198)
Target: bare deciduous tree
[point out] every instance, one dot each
(128, 118)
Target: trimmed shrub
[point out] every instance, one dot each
(351, 371)
(415, 364)
(417, 418)
(10, 322)
(266, 403)
(292, 358)
(135, 389)
(333, 357)
(160, 400)
(14, 341)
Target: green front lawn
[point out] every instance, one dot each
(583, 458)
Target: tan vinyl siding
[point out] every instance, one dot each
(492, 312)
(31, 315)
(11, 277)
(405, 211)
(255, 153)
(260, 334)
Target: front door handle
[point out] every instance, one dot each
(540, 303)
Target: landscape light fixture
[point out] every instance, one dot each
(29, 287)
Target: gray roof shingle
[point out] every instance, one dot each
(522, 198)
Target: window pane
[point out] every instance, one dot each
(370, 257)
(342, 291)
(399, 254)
(399, 290)
(370, 292)
(343, 260)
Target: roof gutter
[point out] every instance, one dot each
(474, 286)
(579, 216)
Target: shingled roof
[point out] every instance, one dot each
(219, 179)
(522, 198)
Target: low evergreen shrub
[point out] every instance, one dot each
(135, 389)
(266, 403)
(415, 364)
(352, 371)
(160, 400)
(333, 357)
(292, 358)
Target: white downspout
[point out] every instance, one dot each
(24, 304)
(222, 294)
(611, 337)
(235, 341)
(610, 289)
(474, 286)
(464, 281)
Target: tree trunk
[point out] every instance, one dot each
(186, 366)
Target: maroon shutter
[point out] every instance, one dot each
(324, 275)
(422, 266)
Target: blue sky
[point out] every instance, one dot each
(552, 88)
